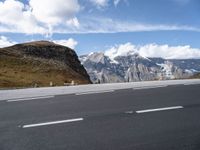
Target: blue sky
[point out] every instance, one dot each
(98, 25)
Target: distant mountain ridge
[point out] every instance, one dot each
(40, 63)
(132, 66)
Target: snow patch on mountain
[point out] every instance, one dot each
(120, 50)
(167, 69)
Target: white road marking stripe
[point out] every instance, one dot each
(159, 109)
(129, 112)
(30, 98)
(149, 87)
(51, 123)
(94, 92)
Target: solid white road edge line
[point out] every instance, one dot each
(190, 83)
(51, 123)
(159, 109)
(30, 98)
(94, 92)
(149, 87)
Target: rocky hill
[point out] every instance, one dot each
(132, 67)
(40, 63)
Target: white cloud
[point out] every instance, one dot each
(104, 3)
(73, 22)
(154, 50)
(107, 25)
(100, 3)
(120, 50)
(71, 43)
(59, 16)
(54, 12)
(16, 18)
(4, 42)
(37, 16)
(120, 26)
(169, 52)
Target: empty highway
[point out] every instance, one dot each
(158, 117)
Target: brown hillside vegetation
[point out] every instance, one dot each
(39, 63)
(196, 76)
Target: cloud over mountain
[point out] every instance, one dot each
(4, 42)
(71, 43)
(154, 50)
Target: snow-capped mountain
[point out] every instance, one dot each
(129, 66)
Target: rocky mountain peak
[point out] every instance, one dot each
(115, 66)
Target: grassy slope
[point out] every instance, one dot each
(19, 72)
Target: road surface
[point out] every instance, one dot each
(140, 118)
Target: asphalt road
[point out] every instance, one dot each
(160, 118)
